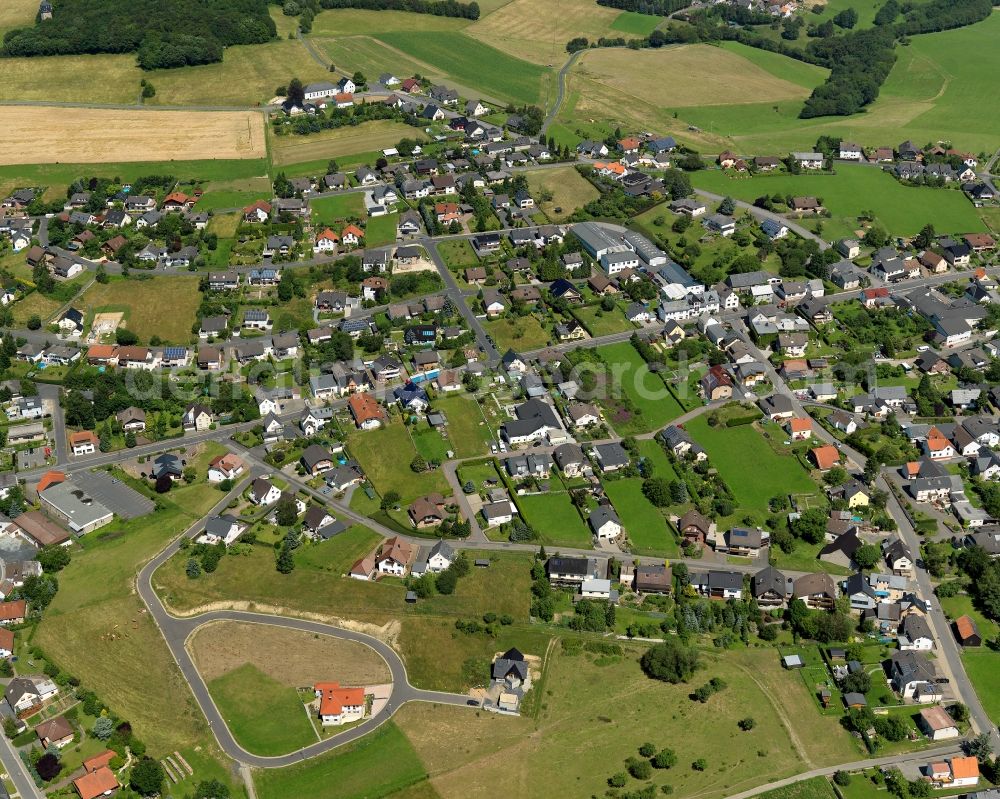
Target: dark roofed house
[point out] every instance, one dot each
(653, 579)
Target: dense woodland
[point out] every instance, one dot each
(164, 35)
(440, 8)
(659, 8)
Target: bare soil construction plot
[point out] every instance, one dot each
(83, 135)
(293, 657)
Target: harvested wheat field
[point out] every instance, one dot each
(85, 135)
(292, 657)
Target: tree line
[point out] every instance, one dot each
(164, 35)
(657, 8)
(439, 8)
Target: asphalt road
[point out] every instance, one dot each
(176, 631)
(16, 771)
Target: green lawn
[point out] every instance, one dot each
(381, 230)
(653, 452)
(815, 788)
(602, 323)
(339, 553)
(458, 254)
(333, 211)
(472, 63)
(380, 764)
(981, 666)
(647, 392)
(961, 605)
(635, 23)
(369, 447)
(214, 200)
(266, 717)
(902, 209)
(468, 434)
(646, 527)
(751, 469)
(520, 333)
(555, 519)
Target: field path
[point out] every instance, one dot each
(796, 741)
(560, 92)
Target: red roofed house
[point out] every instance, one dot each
(727, 159)
(84, 442)
(339, 705)
(980, 241)
(410, 85)
(873, 298)
(395, 556)
(6, 643)
(366, 411)
(352, 235)
(343, 99)
(825, 457)
(717, 384)
(799, 429)
(98, 761)
(629, 145)
(99, 782)
(260, 211)
(13, 612)
(50, 478)
(446, 212)
(937, 446)
(177, 201)
(224, 467)
(326, 241)
(966, 632)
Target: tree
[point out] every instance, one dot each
(147, 777)
(163, 484)
(842, 778)
(34, 322)
(700, 764)
(925, 238)
(810, 526)
(296, 91)
(418, 464)
(867, 555)
(640, 769)
(104, 727)
(390, 499)
(836, 476)
(665, 758)
(53, 558)
(727, 206)
(847, 18)
(130, 441)
(980, 747)
(746, 724)
(285, 562)
(48, 767)
(672, 661)
(959, 712)
(286, 512)
(211, 789)
(657, 491)
(446, 581)
(618, 780)
(193, 569)
(647, 749)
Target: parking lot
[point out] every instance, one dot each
(115, 495)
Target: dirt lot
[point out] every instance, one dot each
(81, 135)
(295, 658)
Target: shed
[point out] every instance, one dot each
(792, 662)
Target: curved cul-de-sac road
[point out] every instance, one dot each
(176, 632)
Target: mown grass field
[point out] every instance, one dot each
(473, 63)
(646, 527)
(981, 666)
(333, 211)
(247, 75)
(602, 323)
(902, 209)
(751, 469)
(521, 333)
(662, 76)
(555, 519)
(265, 716)
(70, 78)
(165, 306)
(381, 230)
(569, 190)
(380, 764)
(646, 391)
(815, 788)
(468, 433)
(17, 14)
(369, 448)
(636, 24)
(332, 144)
(62, 174)
(372, 57)
(537, 30)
